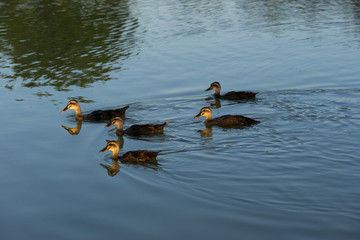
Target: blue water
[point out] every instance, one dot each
(293, 176)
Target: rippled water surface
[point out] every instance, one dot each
(293, 176)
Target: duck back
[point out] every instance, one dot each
(140, 156)
(100, 115)
(146, 129)
(232, 121)
(238, 95)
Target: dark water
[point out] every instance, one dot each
(293, 176)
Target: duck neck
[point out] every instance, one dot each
(78, 127)
(208, 117)
(217, 92)
(78, 114)
(120, 129)
(120, 140)
(115, 154)
(120, 126)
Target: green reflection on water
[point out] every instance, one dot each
(64, 43)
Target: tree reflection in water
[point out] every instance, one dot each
(64, 43)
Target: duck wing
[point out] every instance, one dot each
(145, 129)
(99, 115)
(139, 156)
(239, 95)
(233, 121)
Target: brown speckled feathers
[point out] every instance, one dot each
(232, 120)
(139, 156)
(240, 95)
(145, 129)
(99, 115)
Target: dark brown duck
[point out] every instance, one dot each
(226, 120)
(233, 95)
(138, 129)
(139, 156)
(97, 115)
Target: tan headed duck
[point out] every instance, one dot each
(226, 120)
(97, 115)
(233, 95)
(139, 156)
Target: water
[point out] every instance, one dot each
(293, 176)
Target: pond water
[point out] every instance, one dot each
(293, 176)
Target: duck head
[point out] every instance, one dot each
(111, 146)
(205, 111)
(72, 104)
(116, 121)
(215, 86)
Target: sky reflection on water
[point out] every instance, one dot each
(295, 174)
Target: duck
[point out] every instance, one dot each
(226, 120)
(113, 169)
(233, 95)
(136, 130)
(98, 115)
(138, 156)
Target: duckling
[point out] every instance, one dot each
(233, 95)
(136, 130)
(139, 156)
(226, 120)
(113, 169)
(97, 115)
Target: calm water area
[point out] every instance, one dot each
(295, 175)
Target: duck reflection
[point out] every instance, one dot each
(113, 169)
(139, 156)
(206, 134)
(74, 131)
(214, 102)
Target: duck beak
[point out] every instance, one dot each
(103, 150)
(108, 125)
(199, 115)
(210, 88)
(65, 109)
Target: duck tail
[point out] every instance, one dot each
(161, 126)
(153, 155)
(253, 121)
